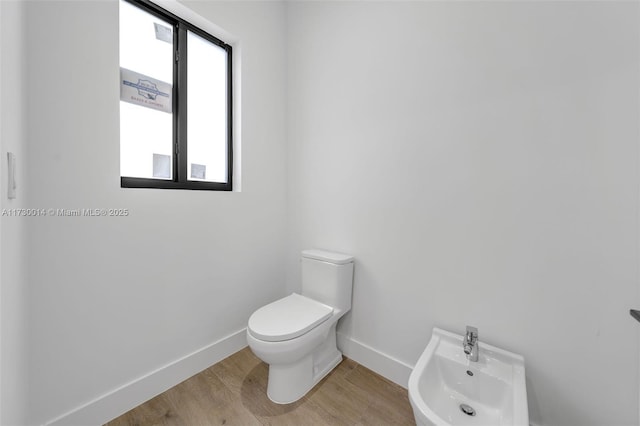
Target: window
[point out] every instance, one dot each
(175, 102)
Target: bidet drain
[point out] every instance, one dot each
(467, 409)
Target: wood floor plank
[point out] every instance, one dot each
(234, 392)
(385, 397)
(339, 398)
(305, 412)
(377, 415)
(232, 370)
(205, 400)
(155, 412)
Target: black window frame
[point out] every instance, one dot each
(180, 138)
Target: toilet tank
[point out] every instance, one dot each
(328, 278)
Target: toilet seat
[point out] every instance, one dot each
(288, 318)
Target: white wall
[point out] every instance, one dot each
(115, 298)
(480, 160)
(13, 279)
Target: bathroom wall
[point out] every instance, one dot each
(115, 298)
(13, 280)
(480, 160)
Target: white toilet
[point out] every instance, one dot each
(296, 335)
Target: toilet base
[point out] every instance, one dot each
(290, 382)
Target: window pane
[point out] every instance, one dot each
(207, 110)
(146, 120)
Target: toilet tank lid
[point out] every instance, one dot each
(327, 256)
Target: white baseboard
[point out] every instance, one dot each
(383, 364)
(120, 400)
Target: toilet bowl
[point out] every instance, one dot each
(296, 335)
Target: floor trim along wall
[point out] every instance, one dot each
(383, 364)
(134, 393)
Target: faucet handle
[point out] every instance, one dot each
(472, 332)
(470, 343)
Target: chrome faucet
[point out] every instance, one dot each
(470, 344)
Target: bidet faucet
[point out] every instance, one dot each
(470, 344)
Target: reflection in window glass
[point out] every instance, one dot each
(207, 109)
(146, 131)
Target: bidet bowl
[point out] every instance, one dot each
(447, 389)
